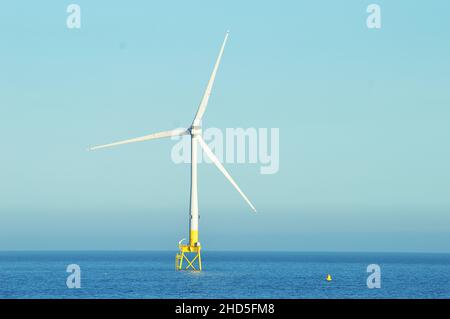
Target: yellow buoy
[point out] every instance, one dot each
(329, 277)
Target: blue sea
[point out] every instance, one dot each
(142, 274)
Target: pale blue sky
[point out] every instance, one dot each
(363, 116)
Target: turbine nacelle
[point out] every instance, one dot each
(195, 130)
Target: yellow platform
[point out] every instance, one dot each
(192, 256)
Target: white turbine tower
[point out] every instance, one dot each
(195, 131)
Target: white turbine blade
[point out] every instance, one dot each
(204, 102)
(177, 132)
(219, 165)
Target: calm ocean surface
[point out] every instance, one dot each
(226, 275)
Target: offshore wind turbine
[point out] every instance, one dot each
(195, 131)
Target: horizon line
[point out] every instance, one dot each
(232, 251)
